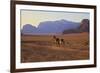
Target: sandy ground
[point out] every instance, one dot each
(40, 48)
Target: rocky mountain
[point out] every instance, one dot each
(84, 27)
(49, 27)
(28, 29)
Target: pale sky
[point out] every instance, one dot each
(34, 17)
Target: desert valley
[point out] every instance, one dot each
(49, 47)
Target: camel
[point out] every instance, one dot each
(59, 41)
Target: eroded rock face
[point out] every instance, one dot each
(84, 25)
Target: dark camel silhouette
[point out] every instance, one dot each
(59, 41)
(62, 42)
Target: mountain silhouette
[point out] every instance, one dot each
(49, 27)
(84, 27)
(28, 29)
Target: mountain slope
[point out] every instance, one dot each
(49, 27)
(84, 27)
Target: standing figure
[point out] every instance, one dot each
(57, 40)
(62, 42)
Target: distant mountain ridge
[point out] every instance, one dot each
(84, 27)
(49, 27)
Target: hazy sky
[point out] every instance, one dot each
(34, 17)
